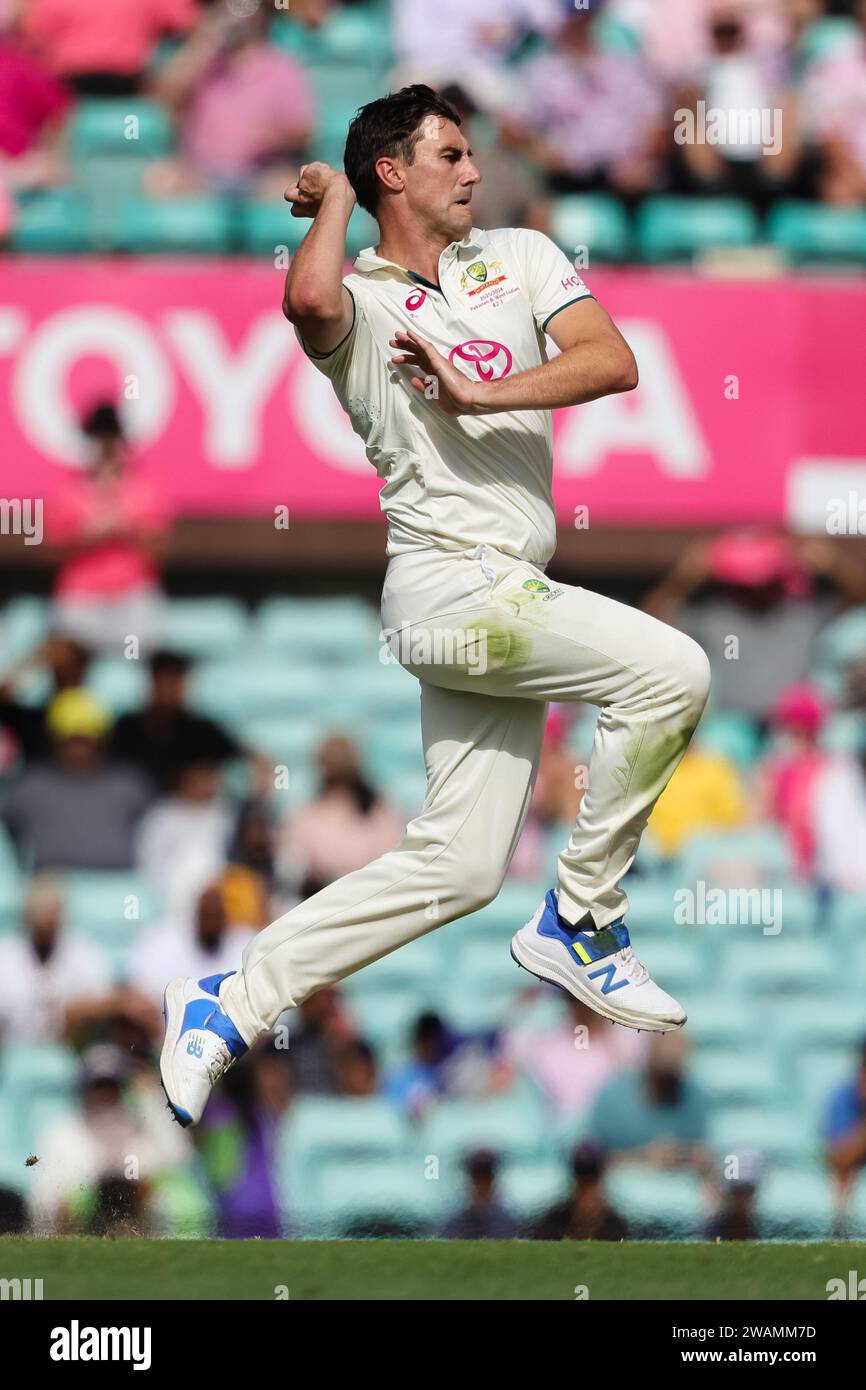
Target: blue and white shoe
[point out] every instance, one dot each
(200, 1045)
(597, 967)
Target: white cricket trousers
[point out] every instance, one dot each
(492, 640)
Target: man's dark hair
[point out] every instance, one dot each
(389, 127)
(102, 421)
(165, 663)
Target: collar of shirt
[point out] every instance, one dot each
(368, 260)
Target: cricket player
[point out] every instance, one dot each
(435, 347)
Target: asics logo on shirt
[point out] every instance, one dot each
(489, 360)
(415, 300)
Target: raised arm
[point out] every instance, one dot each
(315, 299)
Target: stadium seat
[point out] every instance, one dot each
(413, 968)
(206, 627)
(795, 1204)
(29, 1069)
(756, 854)
(775, 966)
(529, 1189)
(54, 221)
(814, 231)
(512, 1125)
(265, 227)
(333, 630)
(322, 1130)
(109, 907)
(778, 1136)
(657, 1203)
(680, 228)
(119, 684)
(247, 691)
(384, 1196)
(594, 221)
(23, 625)
(183, 226)
(730, 734)
(121, 125)
(729, 1078)
(716, 1019)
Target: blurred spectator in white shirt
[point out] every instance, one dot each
(183, 838)
(209, 945)
(571, 1062)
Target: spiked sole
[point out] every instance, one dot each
(172, 1012)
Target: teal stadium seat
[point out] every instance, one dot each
(266, 226)
(528, 1190)
(795, 1204)
(206, 628)
(814, 231)
(258, 690)
(109, 907)
(662, 1203)
(512, 1125)
(782, 1137)
(121, 685)
(23, 625)
(671, 229)
(730, 734)
(118, 126)
(370, 1196)
(728, 1078)
(344, 631)
(595, 221)
(175, 226)
(53, 222)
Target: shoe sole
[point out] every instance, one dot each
(172, 1011)
(545, 969)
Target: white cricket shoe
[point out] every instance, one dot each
(200, 1045)
(597, 967)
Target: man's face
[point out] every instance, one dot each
(439, 183)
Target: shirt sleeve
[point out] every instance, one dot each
(550, 281)
(335, 365)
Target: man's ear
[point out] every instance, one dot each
(391, 174)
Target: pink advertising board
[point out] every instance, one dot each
(749, 390)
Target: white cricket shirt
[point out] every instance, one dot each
(457, 481)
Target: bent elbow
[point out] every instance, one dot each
(627, 376)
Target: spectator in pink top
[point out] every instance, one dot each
(103, 47)
(109, 523)
(792, 775)
(245, 109)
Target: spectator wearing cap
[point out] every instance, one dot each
(736, 1218)
(65, 662)
(77, 810)
(586, 1213)
(705, 794)
(756, 601)
(109, 526)
(103, 47)
(655, 1115)
(165, 736)
(483, 1217)
(844, 1134)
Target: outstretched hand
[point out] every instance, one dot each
(433, 376)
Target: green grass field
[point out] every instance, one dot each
(90, 1268)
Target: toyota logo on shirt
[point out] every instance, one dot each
(490, 360)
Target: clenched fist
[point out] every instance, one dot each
(314, 180)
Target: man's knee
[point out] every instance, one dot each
(693, 675)
(475, 881)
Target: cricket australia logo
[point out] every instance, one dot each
(488, 360)
(478, 271)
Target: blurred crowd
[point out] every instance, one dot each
(563, 98)
(180, 806)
